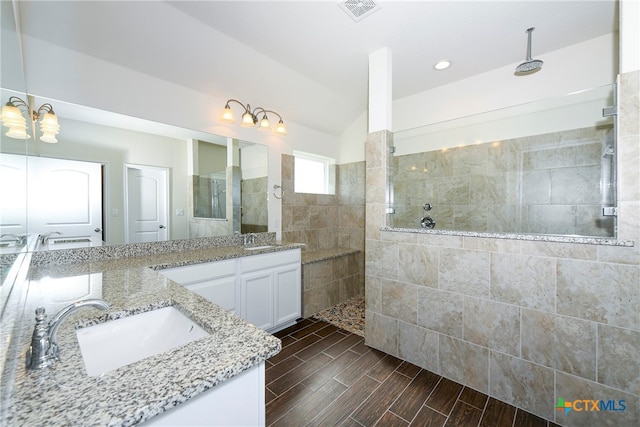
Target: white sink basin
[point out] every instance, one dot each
(120, 342)
(255, 248)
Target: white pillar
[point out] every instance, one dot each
(380, 90)
(629, 36)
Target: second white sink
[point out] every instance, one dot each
(120, 342)
(255, 248)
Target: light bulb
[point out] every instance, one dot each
(247, 120)
(264, 123)
(280, 128)
(227, 115)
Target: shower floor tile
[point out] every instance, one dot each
(348, 315)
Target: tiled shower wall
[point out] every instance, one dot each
(254, 205)
(526, 322)
(326, 223)
(546, 184)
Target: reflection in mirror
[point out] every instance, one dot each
(542, 168)
(12, 180)
(132, 180)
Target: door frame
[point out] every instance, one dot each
(165, 172)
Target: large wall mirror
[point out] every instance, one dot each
(547, 167)
(112, 179)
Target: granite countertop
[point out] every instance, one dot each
(64, 394)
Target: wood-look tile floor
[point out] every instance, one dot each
(326, 376)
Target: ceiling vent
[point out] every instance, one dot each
(359, 9)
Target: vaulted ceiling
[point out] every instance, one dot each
(308, 60)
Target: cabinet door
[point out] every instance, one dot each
(215, 281)
(287, 296)
(219, 291)
(256, 298)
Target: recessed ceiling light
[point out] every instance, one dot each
(442, 65)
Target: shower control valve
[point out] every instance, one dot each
(427, 222)
(427, 207)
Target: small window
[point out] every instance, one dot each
(313, 174)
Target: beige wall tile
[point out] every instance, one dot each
(373, 293)
(381, 332)
(398, 300)
(464, 362)
(440, 311)
(492, 324)
(492, 245)
(418, 265)
(418, 346)
(523, 280)
(464, 271)
(526, 385)
(619, 358)
(559, 342)
(382, 259)
(440, 240)
(606, 293)
(559, 250)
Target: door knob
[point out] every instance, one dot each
(161, 226)
(97, 230)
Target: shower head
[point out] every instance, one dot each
(530, 65)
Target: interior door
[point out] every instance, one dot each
(13, 194)
(146, 207)
(65, 196)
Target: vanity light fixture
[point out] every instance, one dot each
(250, 118)
(13, 119)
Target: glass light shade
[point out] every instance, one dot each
(227, 115)
(280, 128)
(48, 137)
(18, 132)
(49, 127)
(264, 123)
(11, 116)
(247, 120)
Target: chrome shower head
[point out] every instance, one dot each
(530, 65)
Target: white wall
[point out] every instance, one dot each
(582, 66)
(629, 36)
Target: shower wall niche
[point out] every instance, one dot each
(540, 168)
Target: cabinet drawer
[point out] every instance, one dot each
(199, 272)
(260, 262)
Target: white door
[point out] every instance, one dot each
(146, 206)
(13, 194)
(65, 196)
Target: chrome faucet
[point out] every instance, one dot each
(249, 239)
(44, 349)
(44, 238)
(20, 239)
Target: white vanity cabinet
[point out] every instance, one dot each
(264, 289)
(270, 289)
(215, 281)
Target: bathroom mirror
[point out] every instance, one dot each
(138, 162)
(547, 167)
(12, 76)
